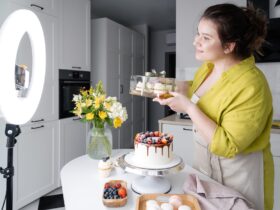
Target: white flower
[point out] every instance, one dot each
(117, 110)
(77, 98)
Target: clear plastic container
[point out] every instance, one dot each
(151, 86)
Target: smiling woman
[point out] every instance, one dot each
(17, 110)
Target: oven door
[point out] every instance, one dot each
(66, 91)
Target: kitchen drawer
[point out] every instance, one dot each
(275, 144)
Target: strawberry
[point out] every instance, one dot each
(107, 185)
(122, 192)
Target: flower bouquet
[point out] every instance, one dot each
(95, 107)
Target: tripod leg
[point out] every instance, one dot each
(9, 186)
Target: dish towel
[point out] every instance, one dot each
(215, 196)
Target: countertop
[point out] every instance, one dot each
(175, 120)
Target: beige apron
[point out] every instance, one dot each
(244, 173)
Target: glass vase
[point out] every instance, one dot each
(99, 143)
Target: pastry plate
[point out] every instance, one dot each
(163, 198)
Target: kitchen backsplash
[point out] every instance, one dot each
(270, 70)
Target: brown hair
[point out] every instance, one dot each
(247, 27)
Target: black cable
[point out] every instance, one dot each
(4, 201)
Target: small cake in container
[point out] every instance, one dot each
(105, 167)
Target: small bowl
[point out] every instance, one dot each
(115, 202)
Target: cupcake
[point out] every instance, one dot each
(105, 166)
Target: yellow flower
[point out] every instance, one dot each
(107, 105)
(88, 102)
(102, 98)
(84, 92)
(117, 122)
(102, 115)
(97, 103)
(78, 109)
(91, 91)
(89, 116)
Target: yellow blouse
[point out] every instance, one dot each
(240, 102)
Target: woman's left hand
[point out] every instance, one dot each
(178, 103)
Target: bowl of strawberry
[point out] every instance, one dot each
(115, 193)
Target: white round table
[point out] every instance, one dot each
(83, 188)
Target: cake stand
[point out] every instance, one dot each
(151, 179)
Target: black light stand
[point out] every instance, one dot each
(11, 132)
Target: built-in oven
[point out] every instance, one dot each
(70, 83)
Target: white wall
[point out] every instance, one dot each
(187, 18)
(157, 50)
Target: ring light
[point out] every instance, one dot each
(19, 110)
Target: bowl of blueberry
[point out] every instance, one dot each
(115, 193)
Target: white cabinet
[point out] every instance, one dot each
(275, 149)
(183, 141)
(115, 57)
(72, 139)
(74, 18)
(49, 7)
(36, 162)
(48, 106)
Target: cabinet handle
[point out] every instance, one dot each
(121, 86)
(33, 121)
(35, 5)
(76, 67)
(76, 119)
(187, 129)
(33, 128)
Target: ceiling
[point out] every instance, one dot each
(157, 14)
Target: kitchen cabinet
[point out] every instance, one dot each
(114, 60)
(49, 7)
(275, 149)
(183, 140)
(36, 162)
(72, 137)
(74, 39)
(183, 146)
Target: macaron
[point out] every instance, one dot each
(184, 207)
(166, 206)
(175, 200)
(152, 205)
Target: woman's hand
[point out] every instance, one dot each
(178, 103)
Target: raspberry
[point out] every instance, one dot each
(118, 185)
(107, 185)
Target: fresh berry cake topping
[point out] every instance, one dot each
(156, 137)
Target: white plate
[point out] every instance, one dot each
(130, 159)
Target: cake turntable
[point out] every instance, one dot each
(150, 180)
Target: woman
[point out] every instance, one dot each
(230, 103)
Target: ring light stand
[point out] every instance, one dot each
(11, 132)
(19, 110)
